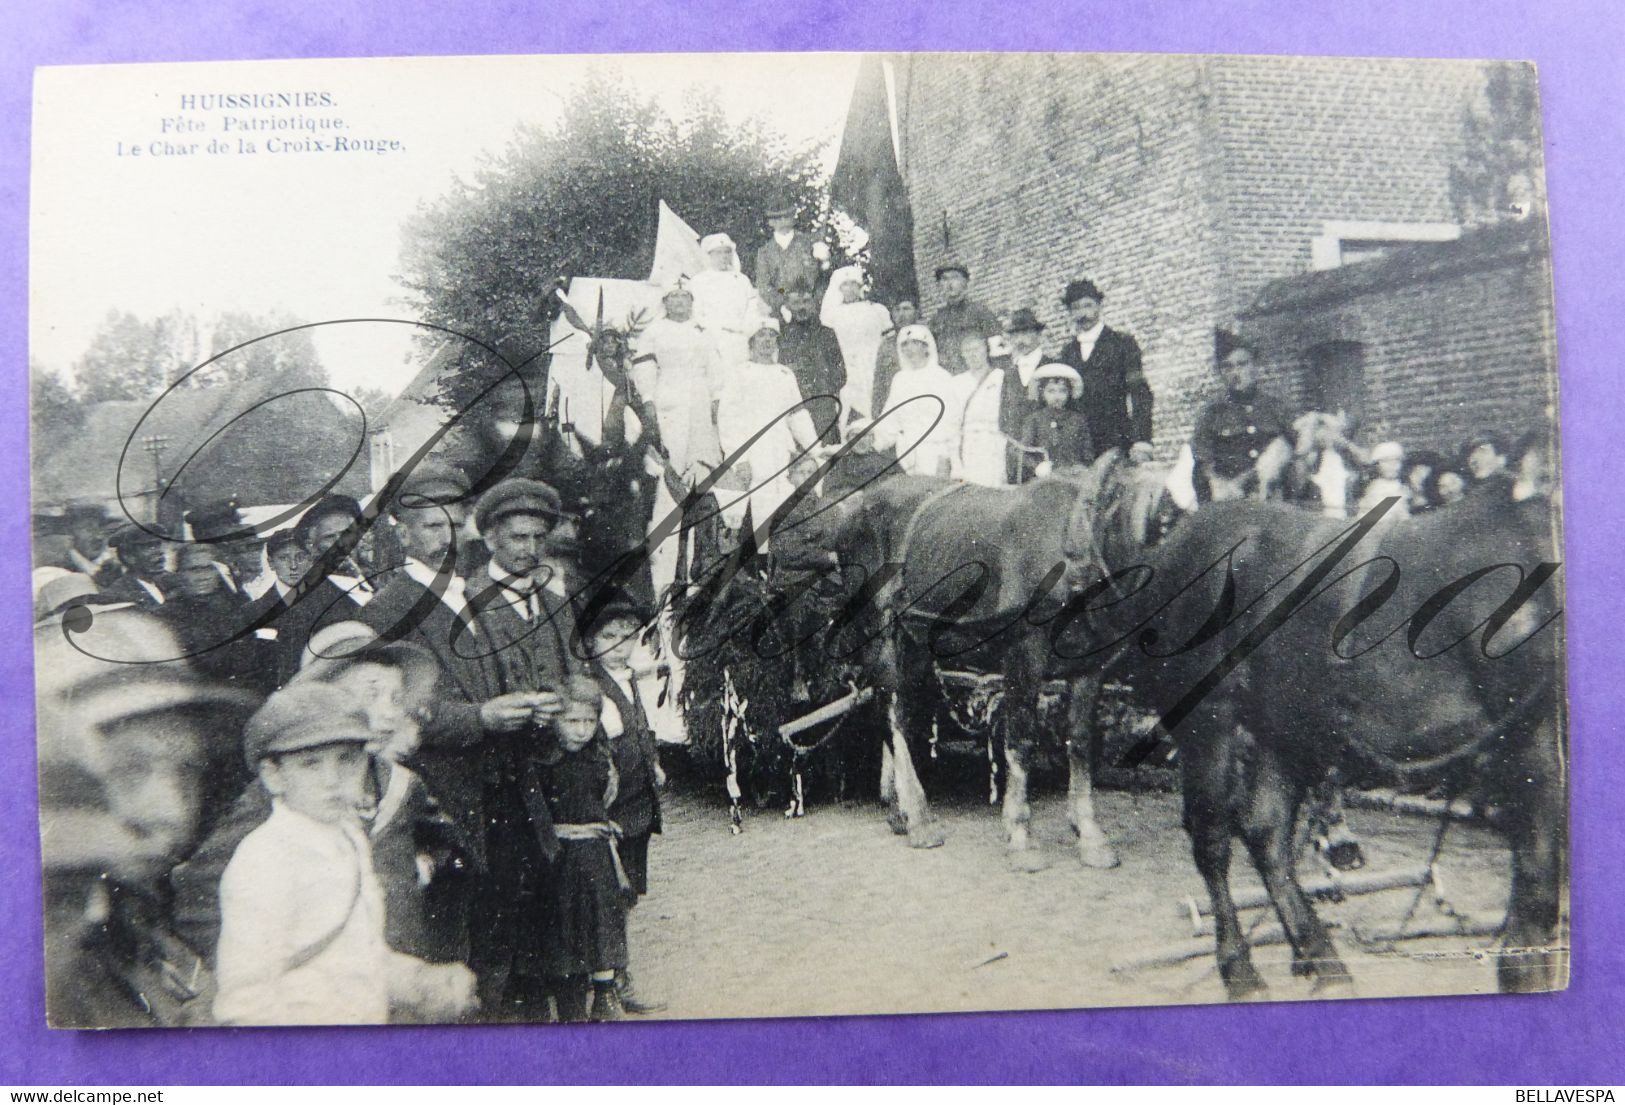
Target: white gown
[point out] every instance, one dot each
(725, 304)
(983, 447)
(756, 396)
(858, 328)
(681, 382)
(909, 430)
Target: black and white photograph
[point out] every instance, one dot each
(599, 538)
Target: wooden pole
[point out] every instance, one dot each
(1174, 954)
(1388, 799)
(828, 712)
(1369, 882)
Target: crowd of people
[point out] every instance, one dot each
(297, 778)
(440, 807)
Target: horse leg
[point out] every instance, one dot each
(1268, 823)
(1094, 849)
(1529, 962)
(910, 708)
(1018, 719)
(1335, 839)
(1209, 770)
(883, 668)
(1018, 814)
(888, 788)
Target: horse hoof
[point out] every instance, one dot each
(1346, 855)
(1332, 986)
(898, 823)
(925, 836)
(1245, 984)
(1026, 861)
(1101, 857)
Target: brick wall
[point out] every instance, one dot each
(1454, 337)
(1181, 185)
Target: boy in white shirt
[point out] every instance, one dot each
(302, 911)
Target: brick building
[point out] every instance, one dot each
(1186, 186)
(1426, 344)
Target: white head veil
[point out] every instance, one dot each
(720, 241)
(832, 294)
(917, 332)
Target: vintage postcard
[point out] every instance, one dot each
(553, 539)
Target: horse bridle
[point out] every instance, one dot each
(1081, 554)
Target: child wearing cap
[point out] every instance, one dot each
(636, 808)
(586, 897)
(302, 910)
(1387, 462)
(1054, 436)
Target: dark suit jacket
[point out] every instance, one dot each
(637, 801)
(296, 622)
(778, 270)
(523, 656)
(1116, 399)
(451, 760)
(812, 353)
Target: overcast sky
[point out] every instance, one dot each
(316, 235)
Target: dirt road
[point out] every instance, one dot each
(833, 914)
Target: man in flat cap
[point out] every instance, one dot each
(1116, 398)
(236, 546)
(959, 316)
(788, 258)
(526, 628)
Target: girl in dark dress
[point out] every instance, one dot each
(585, 908)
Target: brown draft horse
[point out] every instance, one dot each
(966, 578)
(1426, 652)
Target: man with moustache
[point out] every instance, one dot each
(141, 554)
(525, 628)
(1116, 399)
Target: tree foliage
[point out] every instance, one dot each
(134, 358)
(53, 409)
(582, 199)
(289, 357)
(1499, 174)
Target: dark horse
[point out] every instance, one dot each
(1425, 652)
(966, 577)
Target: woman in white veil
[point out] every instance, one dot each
(725, 301)
(921, 420)
(859, 325)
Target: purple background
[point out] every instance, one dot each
(1564, 1038)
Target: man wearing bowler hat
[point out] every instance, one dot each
(1025, 336)
(1116, 399)
(959, 316)
(789, 258)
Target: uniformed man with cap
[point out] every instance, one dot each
(959, 316)
(1242, 439)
